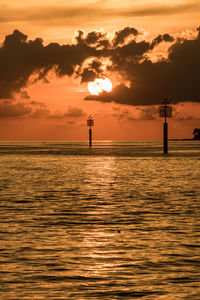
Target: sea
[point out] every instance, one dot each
(120, 220)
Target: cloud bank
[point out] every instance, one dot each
(66, 14)
(129, 54)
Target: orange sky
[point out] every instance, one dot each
(54, 107)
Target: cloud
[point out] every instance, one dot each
(89, 73)
(121, 35)
(39, 113)
(71, 113)
(74, 112)
(9, 109)
(148, 113)
(20, 58)
(32, 109)
(38, 110)
(175, 77)
(53, 15)
(161, 38)
(37, 103)
(140, 113)
(186, 111)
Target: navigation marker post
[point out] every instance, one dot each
(90, 123)
(165, 111)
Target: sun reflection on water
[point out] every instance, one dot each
(100, 242)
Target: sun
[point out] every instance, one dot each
(99, 85)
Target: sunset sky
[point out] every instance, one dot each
(50, 50)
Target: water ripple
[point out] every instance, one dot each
(118, 222)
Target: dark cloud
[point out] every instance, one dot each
(198, 30)
(90, 72)
(74, 112)
(37, 110)
(161, 38)
(32, 109)
(71, 112)
(121, 35)
(184, 118)
(117, 50)
(41, 112)
(176, 77)
(37, 103)
(148, 113)
(183, 111)
(88, 75)
(97, 39)
(141, 113)
(124, 114)
(20, 58)
(8, 109)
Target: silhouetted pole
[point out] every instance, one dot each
(165, 137)
(165, 111)
(90, 137)
(90, 123)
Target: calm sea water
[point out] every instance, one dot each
(118, 221)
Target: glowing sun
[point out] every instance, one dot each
(99, 85)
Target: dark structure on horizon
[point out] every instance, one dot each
(196, 133)
(90, 123)
(165, 110)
